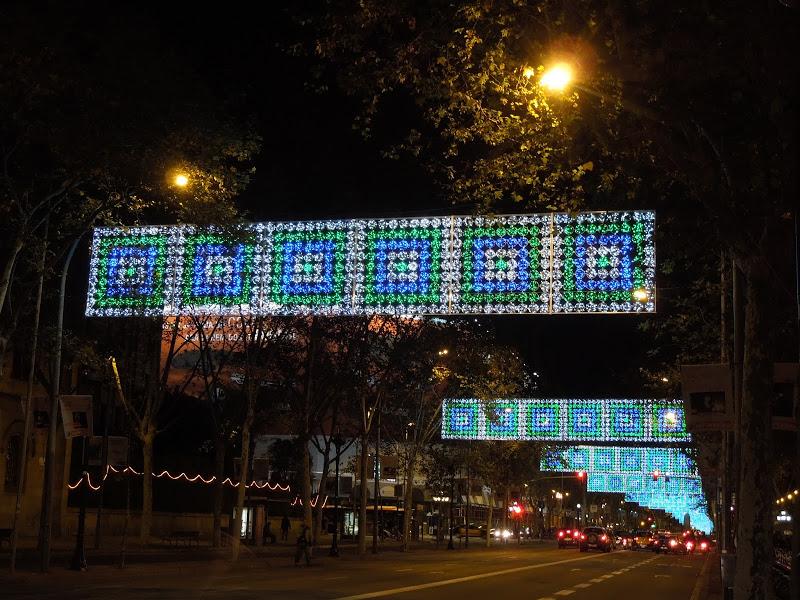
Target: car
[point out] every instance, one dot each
(677, 545)
(697, 544)
(660, 543)
(641, 539)
(623, 539)
(474, 530)
(596, 537)
(568, 537)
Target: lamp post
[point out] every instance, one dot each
(337, 442)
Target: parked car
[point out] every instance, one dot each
(474, 530)
(596, 537)
(568, 537)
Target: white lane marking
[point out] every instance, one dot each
(547, 598)
(582, 585)
(617, 572)
(437, 572)
(575, 569)
(337, 577)
(596, 580)
(606, 576)
(564, 592)
(433, 584)
(402, 570)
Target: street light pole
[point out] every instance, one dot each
(450, 518)
(337, 442)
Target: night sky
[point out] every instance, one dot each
(314, 165)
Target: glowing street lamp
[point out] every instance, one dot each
(181, 180)
(557, 77)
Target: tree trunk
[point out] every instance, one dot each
(219, 471)
(236, 534)
(489, 519)
(8, 268)
(323, 484)
(306, 487)
(362, 505)
(754, 551)
(147, 486)
(408, 501)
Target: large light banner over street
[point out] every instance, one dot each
(566, 420)
(593, 262)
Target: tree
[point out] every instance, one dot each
(145, 388)
(266, 343)
(651, 113)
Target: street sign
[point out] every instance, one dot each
(709, 399)
(76, 412)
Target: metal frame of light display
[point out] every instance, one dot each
(620, 460)
(566, 420)
(597, 262)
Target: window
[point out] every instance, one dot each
(13, 449)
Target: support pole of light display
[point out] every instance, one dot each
(593, 262)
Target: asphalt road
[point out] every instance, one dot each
(541, 572)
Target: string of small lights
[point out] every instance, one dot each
(790, 497)
(299, 501)
(86, 478)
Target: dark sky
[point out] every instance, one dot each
(314, 165)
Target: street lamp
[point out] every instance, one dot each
(556, 78)
(337, 442)
(181, 180)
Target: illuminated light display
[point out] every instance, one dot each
(604, 262)
(569, 420)
(678, 506)
(86, 479)
(625, 484)
(520, 264)
(620, 460)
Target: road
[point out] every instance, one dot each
(541, 572)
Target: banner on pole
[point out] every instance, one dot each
(76, 412)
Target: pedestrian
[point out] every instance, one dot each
(302, 547)
(285, 529)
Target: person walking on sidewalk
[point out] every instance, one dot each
(302, 547)
(285, 529)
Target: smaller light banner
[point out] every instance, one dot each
(634, 484)
(620, 460)
(568, 420)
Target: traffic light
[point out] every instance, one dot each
(581, 475)
(656, 475)
(516, 510)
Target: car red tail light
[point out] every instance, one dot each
(673, 543)
(703, 546)
(583, 536)
(689, 545)
(560, 534)
(603, 537)
(569, 530)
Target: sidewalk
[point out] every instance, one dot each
(709, 584)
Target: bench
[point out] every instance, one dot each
(187, 538)
(5, 536)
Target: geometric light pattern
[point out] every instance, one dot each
(636, 484)
(599, 259)
(576, 420)
(695, 506)
(621, 460)
(520, 264)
